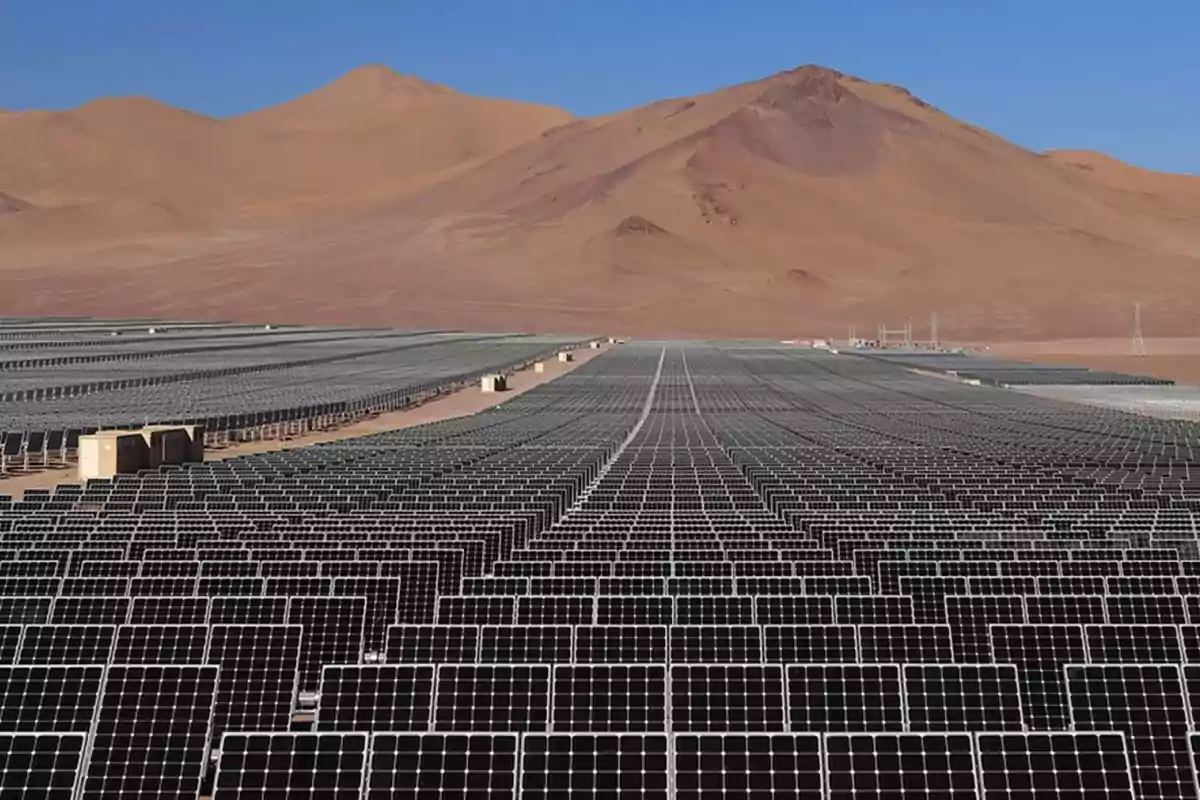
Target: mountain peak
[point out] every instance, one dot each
(374, 82)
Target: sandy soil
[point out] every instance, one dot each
(464, 402)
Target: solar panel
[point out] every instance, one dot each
(794, 610)
(328, 766)
(162, 587)
(333, 633)
(1039, 653)
(845, 698)
(10, 643)
(1054, 766)
(1190, 635)
(1066, 609)
(632, 586)
(647, 610)
(492, 697)
(525, 644)
(1133, 644)
(445, 766)
(810, 644)
(716, 644)
(387, 697)
(152, 733)
(458, 610)
(384, 598)
(874, 609)
(67, 644)
(40, 765)
(621, 644)
(49, 698)
(905, 644)
(1146, 703)
(755, 765)
(962, 697)
(837, 584)
(551, 610)
(161, 644)
(614, 766)
(928, 594)
(257, 686)
(25, 610)
(727, 697)
(169, 611)
(768, 585)
(494, 586)
(29, 587)
(969, 618)
(433, 644)
(609, 698)
(268, 610)
(94, 587)
(1145, 609)
(936, 766)
(563, 586)
(1149, 584)
(715, 610)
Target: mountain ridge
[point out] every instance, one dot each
(806, 195)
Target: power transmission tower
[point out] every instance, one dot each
(933, 328)
(1139, 344)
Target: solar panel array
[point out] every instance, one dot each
(69, 377)
(697, 571)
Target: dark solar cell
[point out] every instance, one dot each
(169, 611)
(40, 765)
(257, 686)
(749, 766)
(716, 644)
(67, 644)
(333, 633)
(492, 697)
(433, 644)
(962, 697)
(152, 733)
(320, 766)
(621, 644)
(389, 697)
(1133, 644)
(1054, 766)
(617, 766)
(727, 697)
(1039, 653)
(794, 610)
(525, 644)
(160, 644)
(905, 644)
(609, 698)
(49, 698)
(1066, 609)
(1146, 703)
(810, 644)
(445, 766)
(935, 766)
(247, 610)
(877, 609)
(845, 698)
(632, 610)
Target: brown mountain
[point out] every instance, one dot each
(794, 205)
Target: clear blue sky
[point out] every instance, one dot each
(1121, 77)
